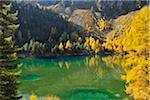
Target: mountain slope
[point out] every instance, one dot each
(37, 24)
(83, 18)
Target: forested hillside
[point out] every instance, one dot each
(35, 20)
(39, 24)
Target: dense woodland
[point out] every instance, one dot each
(32, 31)
(56, 30)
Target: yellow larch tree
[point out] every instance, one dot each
(135, 40)
(102, 24)
(68, 45)
(61, 47)
(92, 44)
(136, 73)
(136, 37)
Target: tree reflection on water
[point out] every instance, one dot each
(136, 73)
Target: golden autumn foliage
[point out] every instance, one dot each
(68, 45)
(61, 47)
(34, 97)
(79, 40)
(136, 73)
(102, 24)
(92, 44)
(86, 44)
(98, 46)
(137, 76)
(135, 38)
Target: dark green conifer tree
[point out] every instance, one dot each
(9, 70)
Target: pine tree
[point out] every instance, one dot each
(52, 37)
(8, 65)
(28, 35)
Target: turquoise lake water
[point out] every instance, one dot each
(72, 78)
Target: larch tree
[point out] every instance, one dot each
(135, 41)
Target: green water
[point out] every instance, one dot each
(72, 78)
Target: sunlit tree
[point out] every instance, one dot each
(61, 47)
(92, 44)
(135, 41)
(102, 24)
(135, 38)
(136, 73)
(68, 45)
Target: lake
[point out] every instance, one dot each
(72, 78)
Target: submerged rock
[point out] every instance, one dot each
(30, 77)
